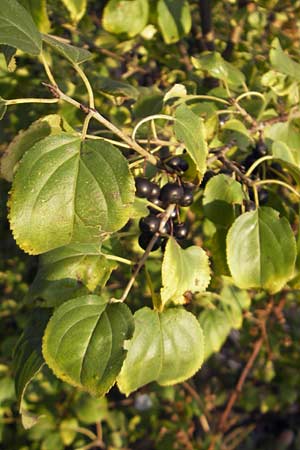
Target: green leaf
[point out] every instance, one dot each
(38, 10)
(115, 88)
(69, 272)
(68, 430)
(25, 140)
(174, 19)
(189, 128)
(236, 125)
(3, 108)
(17, 29)
(166, 347)
(66, 190)
(73, 54)
(127, 17)
(217, 67)
(83, 342)
(216, 328)
(234, 301)
(261, 250)
(282, 62)
(76, 8)
(178, 90)
(28, 359)
(90, 409)
(286, 141)
(220, 195)
(183, 270)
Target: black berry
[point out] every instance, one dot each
(181, 231)
(207, 176)
(187, 198)
(263, 196)
(155, 191)
(156, 202)
(143, 187)
(145, 239)
(149, 224)
(171, 193)
(260, 149)
(177, 164)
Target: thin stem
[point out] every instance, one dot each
(201, 97)
(150, 118)
(119, 259)
(281, 183)
(146, 254)
(87, 85)
(85, 126)
(48, 70)
(250, 94)
(226, 111)
(256, 198)
(111, 141)
(20, 101)
(223, 422)
(257, 163)
(97, 116)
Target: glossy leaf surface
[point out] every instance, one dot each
(84, 340)
(265, 255)
(68, 191)
(183, 270)
(166, 347)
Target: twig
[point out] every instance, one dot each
(203, 419)
(56, 92)
(233, 397)
(163, 221)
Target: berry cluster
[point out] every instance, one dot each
(175, 192)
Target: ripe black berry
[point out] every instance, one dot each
(155, 191)
(156, 202)
(263, 196)
(143, 187)
(149, 224)
(177, 164)
(145, 239)
(171, 193)
(187, 198)
(180, 231)
(260, 149)
(207, 176)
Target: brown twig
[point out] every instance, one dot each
(238, 389)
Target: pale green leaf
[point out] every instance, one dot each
(286, 141)
(217, 67)
(174, 19)
(236, 125)
(220, 195)
(189, 128)
(74, 54)
(166, 347)
(66, 191)
(69, 272)
(178, 90)
(38, 130)
(17, 28)
(76, 8)
(128, 17)
(261, 250)
(68, 430)
(282, 62)
(183, 270)
(216, 328)
(84, 340)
